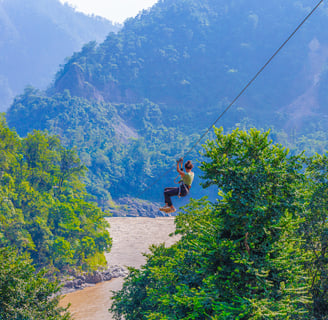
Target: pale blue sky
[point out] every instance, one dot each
(114, 10)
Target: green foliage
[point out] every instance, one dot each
(121, 145)
(43, 203)
(250, 255)
(137, 101)
(193, 56)
(314, 230)
(25, 294)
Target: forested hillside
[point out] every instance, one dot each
(122, 145)
(49, 225)
(195, 55)
(136, 102)
(36, 36)
(44, 209)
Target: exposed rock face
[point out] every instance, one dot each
(81, 83)
(94, 277)
(131, 207)
(74, 80)
(112, 92)
(80, 282)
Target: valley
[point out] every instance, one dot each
(131, 238)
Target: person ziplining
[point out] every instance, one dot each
(184, 186)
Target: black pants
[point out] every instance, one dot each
(169, 192)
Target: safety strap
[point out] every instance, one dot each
(180, 184)
(175, 180)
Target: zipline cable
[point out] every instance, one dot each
(238, 95)
(253, 79)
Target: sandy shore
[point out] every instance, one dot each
(131, 238)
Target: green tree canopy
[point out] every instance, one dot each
(25, 294)
(44, 208)
(245, 256)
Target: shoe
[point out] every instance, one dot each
(171, 210)
(164, 209)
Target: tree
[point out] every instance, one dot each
(71, 168)
(25, 294)
(314, 230)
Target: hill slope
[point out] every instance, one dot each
(141, 98)
(196, 54)
(36, 36)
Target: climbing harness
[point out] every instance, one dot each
(181, 183)
(240, 93)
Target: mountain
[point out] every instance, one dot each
(139, 100)
(198, 54)
(36, 36)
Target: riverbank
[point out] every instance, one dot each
(131, 238)
(80, 282)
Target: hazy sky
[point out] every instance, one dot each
(114, 10)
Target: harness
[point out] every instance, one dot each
(180, 185)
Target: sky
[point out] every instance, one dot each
(114, 10)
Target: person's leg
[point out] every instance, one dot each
(168, 193)
(167, 200)
(166, 207)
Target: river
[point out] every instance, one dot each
(131, 237)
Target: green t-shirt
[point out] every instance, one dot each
(188, 178)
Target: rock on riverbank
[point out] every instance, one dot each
(79, 282)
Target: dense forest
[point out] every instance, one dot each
(38, 35)
(45, 211)
(49, 225)
(136, 102)
(25, 293)
(258, 252)
(121, 145)
(194, 55)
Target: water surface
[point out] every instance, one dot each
(131, 238)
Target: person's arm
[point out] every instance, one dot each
(180, 162)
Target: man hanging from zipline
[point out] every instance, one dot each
(184, 186)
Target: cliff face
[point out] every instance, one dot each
(81, 84)
(74, 81)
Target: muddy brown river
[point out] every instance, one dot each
(131, 237)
